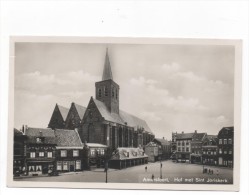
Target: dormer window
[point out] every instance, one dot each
(38, 140)
(99, 93)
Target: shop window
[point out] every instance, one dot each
(59, 166)
(78, 164)
(65, 165)
(38, 168)
(31, 168)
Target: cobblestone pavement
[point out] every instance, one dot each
(171, 173)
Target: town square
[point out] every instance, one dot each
(98, 141)
(171, 173)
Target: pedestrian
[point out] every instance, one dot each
(152, 177)
(145, 168)
(217, 172)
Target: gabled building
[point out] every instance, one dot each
(226, 147)
(39, 150)
(152, 151)
(58, 118)
(106, 124)
(196, 147)
(210, 150)
(74, 116)
(164, 148)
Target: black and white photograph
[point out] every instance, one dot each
(140, 113)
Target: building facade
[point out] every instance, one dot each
(18, 160)
(152, 151)
(164, 148)
(69, 151)
(39, 151)
(183, 144)
(196, 147)
(210, 150)
(226, 147)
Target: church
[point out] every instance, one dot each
(102, 121)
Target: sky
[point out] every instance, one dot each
(173, 87)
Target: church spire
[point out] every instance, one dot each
(107, 72)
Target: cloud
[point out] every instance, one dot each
(142, 81)
(171, 68)
(151, 116)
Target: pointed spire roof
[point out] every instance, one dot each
(107, 72)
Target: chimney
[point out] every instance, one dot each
(182, 132)
(25, 127)
(163, 137)
(195, 131)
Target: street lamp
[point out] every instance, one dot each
(161, 165)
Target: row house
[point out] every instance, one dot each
(151, 150)
(51, 150)
(187, 147)
(183, 146)
(226, 147)
(196, 147)
(18, 152)
(69, 150)
(94, 155)
(210, 150)
(39, 151)
(158, 149)
(164, 148)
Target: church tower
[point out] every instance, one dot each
(107, 90)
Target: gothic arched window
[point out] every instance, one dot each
(113, 92)
(99, 91)
(116, 94)
(106, 91)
